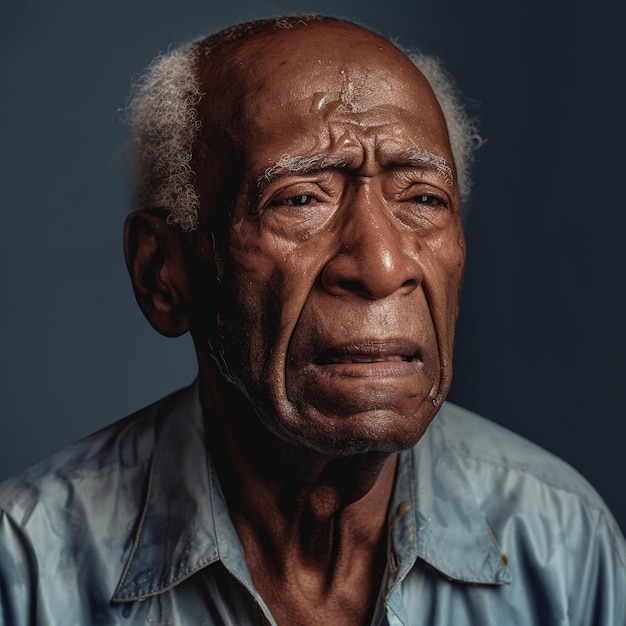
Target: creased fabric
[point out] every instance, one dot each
(130, 526)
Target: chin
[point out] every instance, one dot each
(374, 431)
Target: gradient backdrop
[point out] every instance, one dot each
(541, 338)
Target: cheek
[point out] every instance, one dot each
(453, 262)
(246, 305)
(245, 325)
(265, 287)
(443, 273)
(449, 250)
(456, 264)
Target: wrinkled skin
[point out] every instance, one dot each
(339, 285)
(323, 282)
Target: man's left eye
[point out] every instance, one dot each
(299, 200)
(427, 198)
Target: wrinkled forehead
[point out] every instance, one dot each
(272, 76)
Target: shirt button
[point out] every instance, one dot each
(403, 508)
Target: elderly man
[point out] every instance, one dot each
(299, 184)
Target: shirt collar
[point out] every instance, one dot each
(185, 525)
(176, 533)
(435, 516)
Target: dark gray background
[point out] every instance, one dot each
(541, 337)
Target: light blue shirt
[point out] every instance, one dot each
(130, 526)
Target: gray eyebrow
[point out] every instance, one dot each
(413, 157)
(418, 157)
(300, 165)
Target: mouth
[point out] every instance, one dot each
(391, 353)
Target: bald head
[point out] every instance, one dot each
(194, 104)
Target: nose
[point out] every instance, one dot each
(374, 256)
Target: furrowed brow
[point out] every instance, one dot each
(300, 165)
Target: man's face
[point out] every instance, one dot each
(344, 253)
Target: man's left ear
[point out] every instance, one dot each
(156, 262)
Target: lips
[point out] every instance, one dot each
(362, 358)
(395, 351)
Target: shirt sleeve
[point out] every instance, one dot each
(18, 576)
(598, 581)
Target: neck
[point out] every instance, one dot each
(256, 467)
(300, 516)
